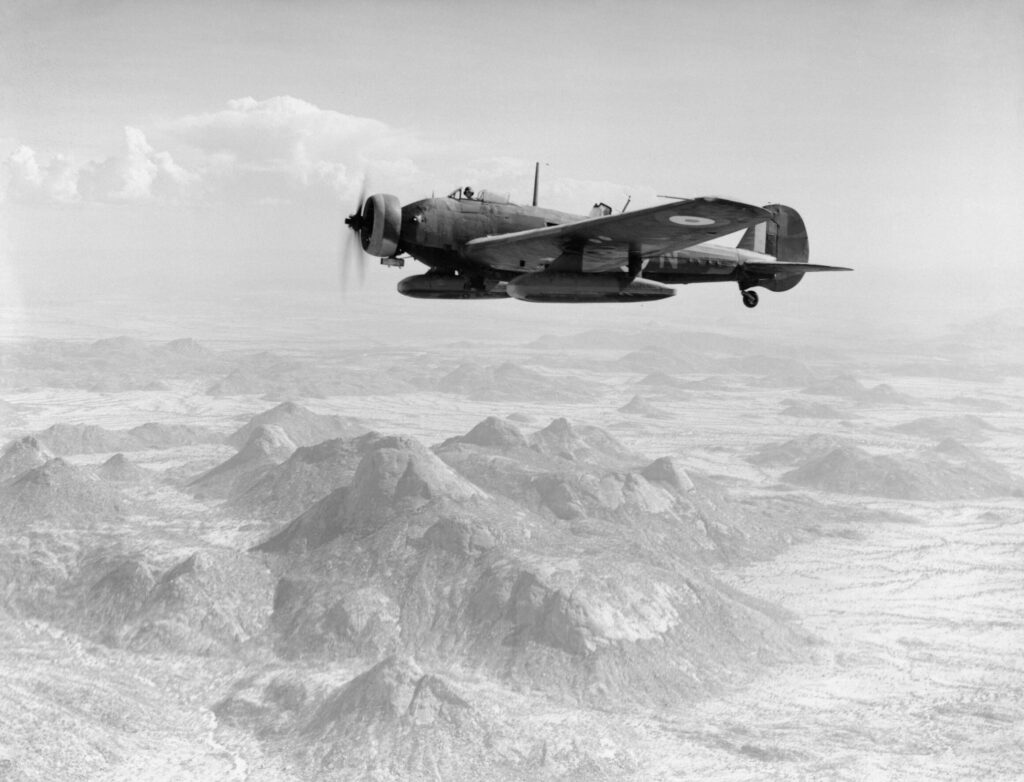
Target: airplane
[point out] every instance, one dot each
(479, 245)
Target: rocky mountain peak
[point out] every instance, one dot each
(495, 432)
(400, 468)
(22, 455)
(120, 469)
(303, 426)
(267, 441)
(581, 443)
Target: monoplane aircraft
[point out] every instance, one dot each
(479, 245)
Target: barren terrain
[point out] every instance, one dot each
(638, 554)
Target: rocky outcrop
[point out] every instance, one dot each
(20, 456)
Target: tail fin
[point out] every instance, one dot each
(785, 237)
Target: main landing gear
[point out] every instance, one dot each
(749, 298)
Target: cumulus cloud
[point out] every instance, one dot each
(26, 179)
(136, 173)
(281, 150)
(284, 150)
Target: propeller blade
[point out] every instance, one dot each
(351, 246)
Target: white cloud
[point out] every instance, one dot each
(136, 173)
(25, 179)
(289, 149)
(284, 150)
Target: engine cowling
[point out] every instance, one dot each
(443, 286)
(572, 287)
(381, 225)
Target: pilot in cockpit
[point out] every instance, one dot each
(467, 192)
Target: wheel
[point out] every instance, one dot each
(750, 298)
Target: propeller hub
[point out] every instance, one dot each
(356, 221)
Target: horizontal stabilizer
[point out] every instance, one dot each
(784, 269)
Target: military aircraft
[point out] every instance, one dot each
(479, 245)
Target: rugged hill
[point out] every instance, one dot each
(70, 439)
(308, 475)
(581, 474)
(120, 469)
(507, 381)
(266, 447)
(980, 403)
(60, 493)
(776, 370)
(849, 387)
(799, 450)
(108, 365)
(394, 476)
(660, 381)
(420, 725)
(582, 443)
(414, 559)
(20, 456)
(161, 435)
(302, 426)
(640, 406)
(799, 408)
(659, 359)
(958, 427)
(279, 377)
(948, 471)
(212, 602)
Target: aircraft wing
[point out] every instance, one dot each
(603, 244)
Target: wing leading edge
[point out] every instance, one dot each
(605, 243)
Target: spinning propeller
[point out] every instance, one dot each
(353, 244)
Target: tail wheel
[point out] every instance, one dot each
(750, 299)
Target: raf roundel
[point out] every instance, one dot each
(690, 220)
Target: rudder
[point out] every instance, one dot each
(785, 237)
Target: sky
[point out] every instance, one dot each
(152, 151)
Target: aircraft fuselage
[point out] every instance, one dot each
(435, 232)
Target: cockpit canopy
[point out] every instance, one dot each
(487, 196)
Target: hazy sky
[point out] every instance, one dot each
(157, 145)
